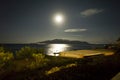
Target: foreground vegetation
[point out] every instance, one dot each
(32, 64)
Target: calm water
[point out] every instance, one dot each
(51, 49)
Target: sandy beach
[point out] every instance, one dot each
(85, 53)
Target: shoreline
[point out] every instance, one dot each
(86, 53)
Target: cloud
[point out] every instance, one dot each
(75, 30)
(77, 35)
(90, 12)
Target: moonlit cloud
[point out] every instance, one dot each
(90, 12)
(77, 35)
(75, 30)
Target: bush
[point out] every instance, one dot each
(5, 59)
(53, 70)
(40, 51)
(25, 52)
(2, 49)
(116, 46)
(39, 60)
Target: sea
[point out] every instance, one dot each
(50, 49)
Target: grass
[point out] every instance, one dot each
(38, 66)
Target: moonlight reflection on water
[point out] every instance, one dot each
(54, 49)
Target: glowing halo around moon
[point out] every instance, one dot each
(58, 18)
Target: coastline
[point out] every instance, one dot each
(86, 53)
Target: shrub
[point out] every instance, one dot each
(53, 70)
(2, 49)
(5, 59)
(25, 52)
(71, 65)
(116, 45)
(40, 51)
(39, 60)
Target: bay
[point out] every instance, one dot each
(51, 49)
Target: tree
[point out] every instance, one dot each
(117, 45)
(118, 42)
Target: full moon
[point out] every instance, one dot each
(58, 18)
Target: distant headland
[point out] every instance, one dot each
(63, 41)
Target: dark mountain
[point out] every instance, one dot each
(62, 41)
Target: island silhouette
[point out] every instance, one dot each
(64, 41)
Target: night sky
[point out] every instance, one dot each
(28, 21)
